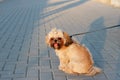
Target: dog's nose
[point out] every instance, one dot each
(55, 40)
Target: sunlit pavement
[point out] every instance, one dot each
(24, 24)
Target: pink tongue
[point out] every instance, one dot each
(55, 44)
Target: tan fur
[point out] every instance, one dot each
(74, 58)
(68, 40)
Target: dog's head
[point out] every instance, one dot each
(57, 39)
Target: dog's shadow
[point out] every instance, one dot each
(95, 41)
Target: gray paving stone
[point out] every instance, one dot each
(100, 77)
(21, 69)
(6, 74)
(5, 79)
(25, 79)
(1, 65)
(32, 73)
(46, 76)
(19, 75)
(9, 67)
(112, 76)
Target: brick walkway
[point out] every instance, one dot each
(24, 24)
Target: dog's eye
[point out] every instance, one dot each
(52, 39)
(59, 38)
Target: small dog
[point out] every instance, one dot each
(74, 58)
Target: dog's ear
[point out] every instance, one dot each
(68, 39)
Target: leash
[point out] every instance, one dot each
(95, 30)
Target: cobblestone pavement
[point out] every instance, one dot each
(24, 24)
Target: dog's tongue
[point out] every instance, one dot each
(55, 45)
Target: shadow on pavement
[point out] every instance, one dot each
(95, 41)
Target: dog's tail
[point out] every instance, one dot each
(93, 71)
